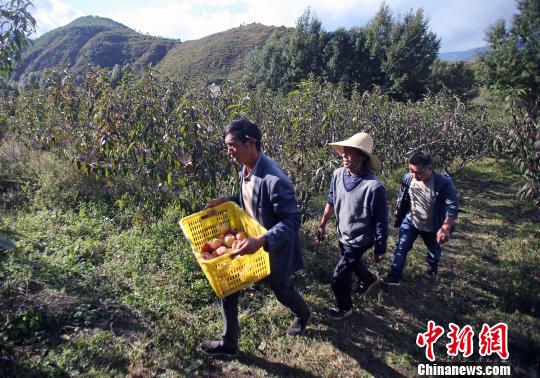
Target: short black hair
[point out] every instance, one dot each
(244, 130)
(420, 158)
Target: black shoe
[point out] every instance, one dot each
(298, 326)
(215, 348)
(390, 280)
(432, 275)
(336, 313)
(367, 287)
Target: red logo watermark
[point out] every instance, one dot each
(490, 340)
(427, 339)
(461, 340)
(494, 340)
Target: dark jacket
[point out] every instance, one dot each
(446, 202)
(276, 208)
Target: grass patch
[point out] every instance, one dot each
(84, 294)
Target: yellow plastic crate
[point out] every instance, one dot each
(227, 275)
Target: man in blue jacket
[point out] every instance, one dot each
(427, 205)
(267, 195)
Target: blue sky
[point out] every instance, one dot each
(461, 24)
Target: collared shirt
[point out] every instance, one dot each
(422, 203)
(446, 199)
(247, 189)
(247, 193)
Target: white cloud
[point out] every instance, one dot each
(461, 24)
(196, 19)
(50, 14)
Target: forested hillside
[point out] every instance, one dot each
(397, 54)
(96, 41)
(92, 41)
(218, 56)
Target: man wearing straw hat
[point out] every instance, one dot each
(266, 194)
(358, 200)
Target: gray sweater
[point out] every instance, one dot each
(361, 212)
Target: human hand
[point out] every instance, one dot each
(249, 245)
(443, 235)
(379, 258)
(215, 202)
(321, 233)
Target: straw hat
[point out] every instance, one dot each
(364, 143)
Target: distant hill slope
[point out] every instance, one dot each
(93, 40)
(219, 55)
(103, 42)
(467, 55)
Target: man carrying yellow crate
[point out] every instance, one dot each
(267, 195)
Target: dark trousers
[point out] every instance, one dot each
(407, 235)
(285, 293)
(349, 263)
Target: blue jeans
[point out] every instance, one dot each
(407, 235)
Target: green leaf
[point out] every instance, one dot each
(128, 150)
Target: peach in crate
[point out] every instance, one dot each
(227, 273)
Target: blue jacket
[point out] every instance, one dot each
(276, 208)
(446, 202)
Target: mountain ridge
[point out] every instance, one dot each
(464, 55)
(92, 40)
(99, 41)
(217, 55)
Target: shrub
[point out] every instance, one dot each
(166, 140)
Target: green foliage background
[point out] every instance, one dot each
(167, 136)
(511, 69)
(16, 24)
